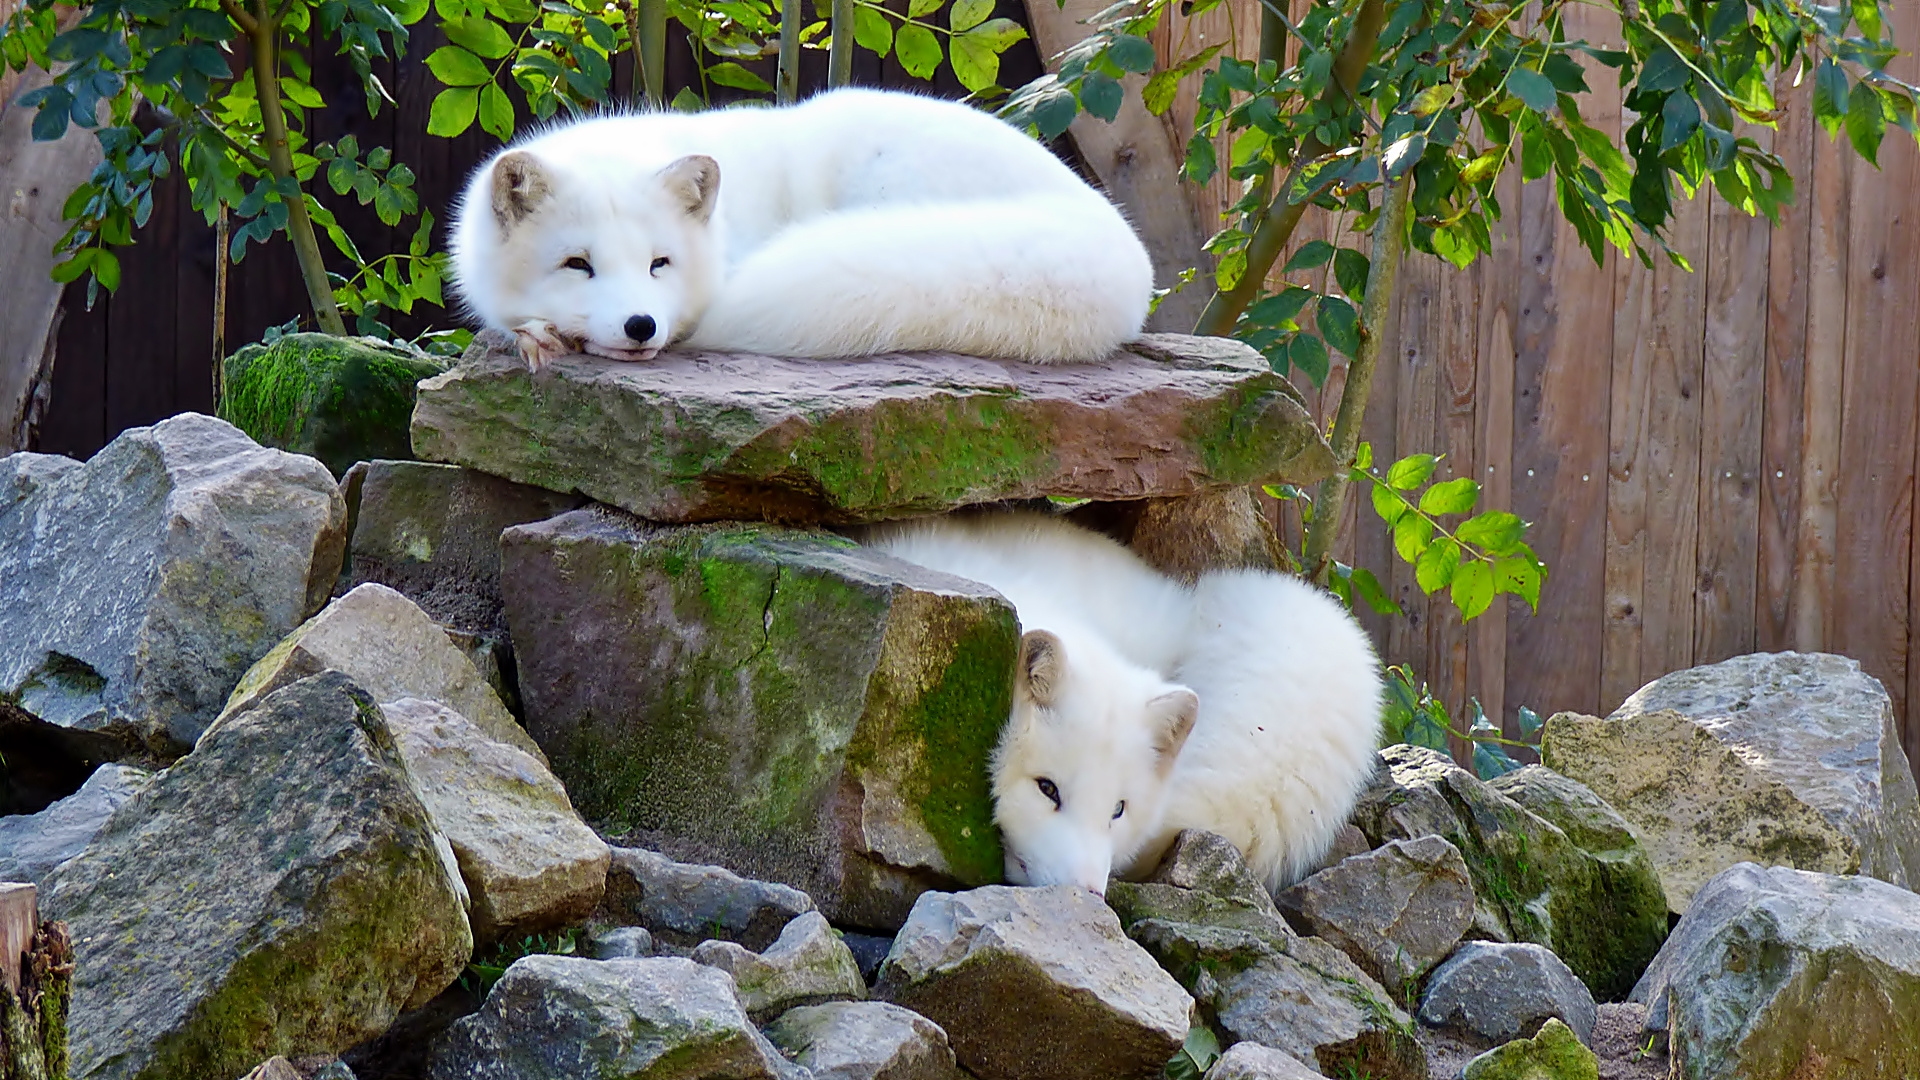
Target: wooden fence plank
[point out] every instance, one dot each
(1817, 539)
(1410, 360)
(1784, 392)
(1629, 467)
(1494, 333)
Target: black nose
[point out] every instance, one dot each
(639, 327)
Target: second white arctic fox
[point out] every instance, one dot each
(1248, 705)
(854, 223)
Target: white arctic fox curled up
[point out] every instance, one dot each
(854, 223)
(1248, 705)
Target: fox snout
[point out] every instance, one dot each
(639, 328)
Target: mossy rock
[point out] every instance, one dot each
(1554, 1054)
(778, 701)
(340, 399)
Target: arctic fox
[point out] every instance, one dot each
(857, 222)
(1248, 705)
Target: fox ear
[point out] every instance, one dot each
(1043, 664)
(1170, 718)
(695, 179)
(520, 185)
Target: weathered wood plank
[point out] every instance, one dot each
(1789, 275)
(1497, 316)
(19, 918)
(1411, 358)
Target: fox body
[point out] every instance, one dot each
(1247, 705)
(857, 222)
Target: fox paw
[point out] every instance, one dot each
(540, 343)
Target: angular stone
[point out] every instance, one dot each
(865, 1040)
(619, 943)
(1789, 759)
(1397, 910)
(32, 845)
(709, 437)
(687, 903)
(1031, 982)
(340, 399)
(390, 648)
(1625, 868)
(1223, 939)
(785, 703)
(1500, 992)
(137, 588)
(275, 1068)
(432, 533)
(1185, 536)
(277, 891)
(564, 1018)
(1554, 1054)
(1782, 974)
(1251, 1061)
(808, 965)
(529, 862)
(1605, 916)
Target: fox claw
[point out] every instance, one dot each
(540, 344)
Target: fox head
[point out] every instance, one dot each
(1080, 773)
(589, 256)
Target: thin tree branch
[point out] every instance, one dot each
(239, 16)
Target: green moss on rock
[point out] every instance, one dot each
(339, 399)
(1554, 1054)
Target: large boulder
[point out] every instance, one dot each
(1397, 910)
(687, 903)
(278, 891)
(710, 437)
(565, 1017)
(808, 965)
(1603, 914)
(865, 1040)
(1786, 759)
(389, 647)
(529, 862)
(340, 399)
(1501, 991)
(1783, 974)
(783, 702)
(136, 589)
(32, 845)
(1031, 982)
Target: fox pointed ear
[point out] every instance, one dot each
(520, 185)
(695, 179)
(1043, 665)
(1170, 717)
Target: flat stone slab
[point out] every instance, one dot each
(697, 436)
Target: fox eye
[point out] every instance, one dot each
(579, 262)
(659, 264)
(1051, 792)
(1119, 808)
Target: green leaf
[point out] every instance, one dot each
(1350, 269)
(728, 73)
(967, 14)
(1566, 74)
(1412, 471)
(919, 8)
(452, 111)
(1495, 531)
(1309, 255)
(1339, 324)
(1368, 586)
(1680, 118)
(918, 50)
(1535, 90)
(1363, 457)
(1491, 760)
(479, 34)
(455, 66)
(1411, 535)
(1389, 506)
(1529, 721)
(106, 268)
(1433, 99)
(496, 112)
(1455, 496)
(1829, 94)
(1435, 567)
(75, 265)
(1101, 96)
(1309, 354)
(1519, 575)
(872, 31)
(1278, 308)
(1131, 53)
(1865, 12)
(1663, 71)
(1472, 588)
(1866, 123)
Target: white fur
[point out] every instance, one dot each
(1288, 703)
(854, 223)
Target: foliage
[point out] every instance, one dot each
(1196, 1055)
(489, 964)
(1413, 715)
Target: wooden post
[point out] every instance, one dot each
(36, 965)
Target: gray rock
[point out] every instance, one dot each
(1031, 982)
(869, 951)
(278, 890)
(865, 1040)
(565, 1017)
(718, 437)
(687, 903)
(1347, 842)
(1789, 759)
(529, 862)
(1554, 1054)
(1500, 992)
(619, 943)
(137, 588)
(388, 646)
(1208, 862)
(432, 532)
(783, 702)
(274, 1068)
(808, 965)
(1781, 974)
(1251, 1061)
(31, 845)
(1603, 914)
(1397, 910)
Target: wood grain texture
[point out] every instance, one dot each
(1783, 426)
